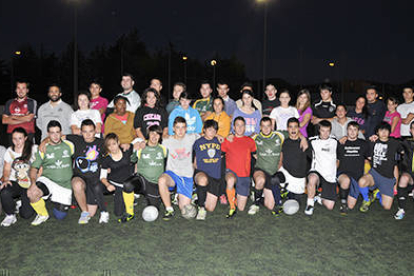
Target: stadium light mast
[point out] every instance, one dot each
(265, 4)
(75, 4)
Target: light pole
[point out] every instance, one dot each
(265, 3)
(214, 63)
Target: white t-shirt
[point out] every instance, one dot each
(19, 171)
(404, 109)
(324, 155)
(80, 115)
(282, 115)
(2, 152)
(133, 98)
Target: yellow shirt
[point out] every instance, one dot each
(224, 123)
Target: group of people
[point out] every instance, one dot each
(216, 150)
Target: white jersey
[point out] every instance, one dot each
(133, 98)
(405, 109)
(324, 156)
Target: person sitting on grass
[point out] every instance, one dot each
(207, 177)
(55, 181)
(179, 171)
(238, 165)
(150, 166)
(385, 151)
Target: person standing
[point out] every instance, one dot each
(229, 104)
(97, 102)
(406, 111)
(376, 111)
(134, 100)
(271, 101)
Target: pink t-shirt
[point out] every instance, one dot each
(389, 118)
(301, 117)
(97, 104)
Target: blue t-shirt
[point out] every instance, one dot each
(252, 121)
(208, 156)
(191, 116)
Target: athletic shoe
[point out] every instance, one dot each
(400, 214)
(343, 209)
(284, 194)
(9, 220)
(104, 218)
(202, 213)
(223, 200)
(253, 210)
(39, 220)
(18, 205)
(374, 195)
(318, 199)
(277, 210)
(174, 199)
(84, 218)
(136, 197)
(168, 215)
(365, 206)
(231, 214)
(126, 217)
(309, 210)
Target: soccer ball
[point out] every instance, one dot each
(189, 211)
(290, 207)
(150, 213)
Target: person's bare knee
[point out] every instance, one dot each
(78, 184)
(329, 204)
(259, 180)
(230, 181)
(344, 181)
(201, 179)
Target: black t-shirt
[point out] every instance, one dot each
(385, 156)
(294, 159)
(122, 169)
(267, 106)
(147, 116)
(376, 113)
(87, 157)
(352, 157)
(324, 110)
(407, 161)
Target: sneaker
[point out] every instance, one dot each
(400, 214)
(374, 195)
(277, 210)
(174, 199)
(318, 199)
(231, 214)
(168, 215)
(136, 198)
(343, 209)
(284, 194)
(84, 218)
(202, 213)
(365, 206)
(223, 200)
(253, 210)
(9, 220)
(126, 217)
(18, 205)
(104, 218)
(309, 210)
(39, 220)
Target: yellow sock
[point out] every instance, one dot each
(129, 202)
(40, 207)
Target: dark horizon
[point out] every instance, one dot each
(368, 40)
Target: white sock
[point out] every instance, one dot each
(169, 209)
(311, 202)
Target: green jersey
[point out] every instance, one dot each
(57, 163)
(268, 151)
(203, 105)
(151, 162)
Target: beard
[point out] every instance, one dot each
(55, 99)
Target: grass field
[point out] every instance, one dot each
(324, 244)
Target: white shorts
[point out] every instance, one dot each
(295, 185)
(57, 193)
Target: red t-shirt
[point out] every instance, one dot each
(239, 154)
(21, 108)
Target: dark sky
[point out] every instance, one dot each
(369, 39)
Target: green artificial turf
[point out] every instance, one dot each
(324, 244)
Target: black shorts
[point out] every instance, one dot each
(213, 186)
(268, 178)
(89, 184)
(150, 191)
(328, 188)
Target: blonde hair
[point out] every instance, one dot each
(307, 104)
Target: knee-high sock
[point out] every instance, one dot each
(40, 207)
(129, 202)
(201, 194)
(364, 192)
(257, 196)
(402, 195)
(231, 197)
(343, 194)
(276, 194)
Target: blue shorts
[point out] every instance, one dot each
(242, 184)
(384, 184)
(184, 184)
(353, 187)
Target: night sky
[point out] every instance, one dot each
(368, 39)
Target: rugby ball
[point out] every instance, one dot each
(150, 213)
(189, 211)
(290, 207)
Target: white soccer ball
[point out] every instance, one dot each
(290, 207)
(150, 213)
(189, 211)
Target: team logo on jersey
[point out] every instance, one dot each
(145, 156)
(190, 120)
(277, 142)
(259, 143)
(380, 154)
(17, 110)
(331, 109)
(85, 163)
(159, 156)
(50, 155)
(211, 152)
(58, 164)
(65, 154)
